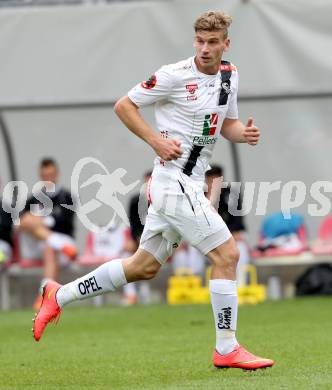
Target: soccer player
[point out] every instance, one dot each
(195, 100)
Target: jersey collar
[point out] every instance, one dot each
(200, 74)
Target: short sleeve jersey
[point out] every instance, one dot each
(63, 217)
(187, 108)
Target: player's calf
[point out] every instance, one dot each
(141, 266)
(224, 259)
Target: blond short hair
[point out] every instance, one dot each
(213, 21)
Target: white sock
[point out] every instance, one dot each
(103, 279)
(224, 304)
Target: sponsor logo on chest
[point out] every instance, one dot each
(208, 131)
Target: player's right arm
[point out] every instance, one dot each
(148, 92)
(128, 112)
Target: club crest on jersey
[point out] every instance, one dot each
(149, 84)
(191, 88)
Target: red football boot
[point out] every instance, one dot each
(37, 303)
(49, 309)
(240, 358)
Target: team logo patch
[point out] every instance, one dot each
(149, 84)
(191, 88)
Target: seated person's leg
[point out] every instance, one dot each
(34, 225)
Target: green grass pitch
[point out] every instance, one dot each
(162, 347)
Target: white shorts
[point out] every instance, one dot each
(179, 209)
(33, 249)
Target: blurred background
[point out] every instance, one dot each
(64, 65)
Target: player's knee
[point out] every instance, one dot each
(150, 271)
(141, 266)
(229, 258)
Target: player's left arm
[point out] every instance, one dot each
(235, 131)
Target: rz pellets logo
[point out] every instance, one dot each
(209, 129)
(210, 124)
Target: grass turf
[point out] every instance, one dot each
(161, 347)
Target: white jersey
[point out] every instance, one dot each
(187, 108)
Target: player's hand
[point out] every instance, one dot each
(168, 149)
(251, 133)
